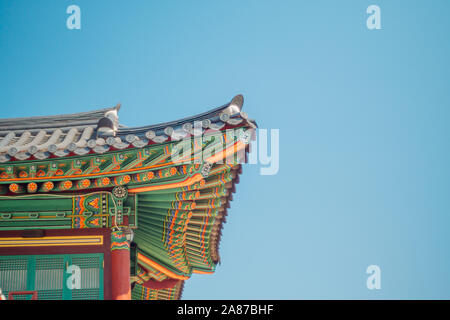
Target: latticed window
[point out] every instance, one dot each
(49, 277)
(13, 274)
(53, 277)
(90, 278)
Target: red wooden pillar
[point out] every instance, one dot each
(120, 266)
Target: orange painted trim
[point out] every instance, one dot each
(93, 240)
(187, 182)
(202, 272)
(231, 150)
(160, 268)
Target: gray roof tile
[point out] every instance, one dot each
(99, 131)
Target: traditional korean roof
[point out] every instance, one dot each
(99, 132)
(84, 159)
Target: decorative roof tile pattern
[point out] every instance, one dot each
(100, 132)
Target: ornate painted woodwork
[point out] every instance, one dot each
(165, 188)
(51, 211)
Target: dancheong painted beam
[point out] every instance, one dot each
(145, 205)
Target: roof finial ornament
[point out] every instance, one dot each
(236, 104)
(234, 107)
(108, 125)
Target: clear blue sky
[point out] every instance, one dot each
(363, 117)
